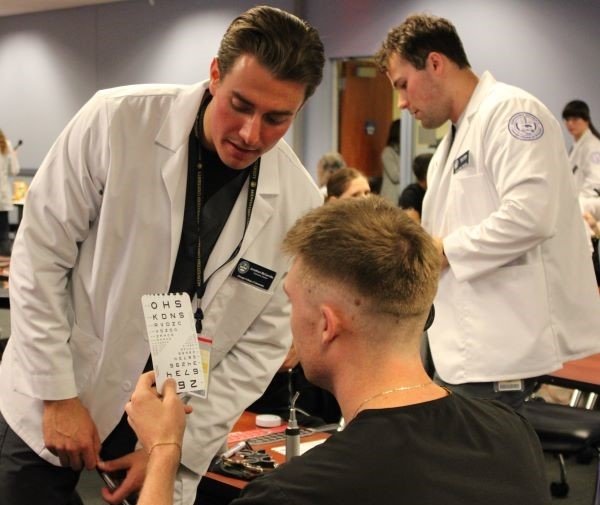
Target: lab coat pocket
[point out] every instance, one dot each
(473, 199)
(510, 307)
(85, 349)
(231, 313)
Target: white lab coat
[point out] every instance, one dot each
(584, 160)
(9, 165)
(101, 227)
(519, 297)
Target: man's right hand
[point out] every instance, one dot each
(70, 433)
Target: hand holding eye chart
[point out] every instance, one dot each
(174, 345)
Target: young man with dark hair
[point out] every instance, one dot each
(516, 297)
(155, 189)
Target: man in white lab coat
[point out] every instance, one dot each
(112, 214)
(516, 296)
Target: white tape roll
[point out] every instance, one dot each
(268, 421)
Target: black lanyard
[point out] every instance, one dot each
(201, 283)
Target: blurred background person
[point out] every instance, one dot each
(390, 157)
(346, 183)
(9, 165)
(594, 227)
(584, 155)
(328, 164)
(584, 159)
(411, 198)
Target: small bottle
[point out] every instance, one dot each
(292, 432)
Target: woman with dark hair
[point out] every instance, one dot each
(584, 157)
(347, 183)
(390, 157)
(585, 153)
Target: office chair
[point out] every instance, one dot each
(565, 431)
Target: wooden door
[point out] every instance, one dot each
(366, 106)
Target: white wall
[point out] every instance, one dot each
(548, 47)
(51, 63)
(47, 73)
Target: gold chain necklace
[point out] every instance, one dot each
(387, 392)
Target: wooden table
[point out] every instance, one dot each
(218, 489)
(581, 374)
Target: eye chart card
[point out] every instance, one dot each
(173, 343)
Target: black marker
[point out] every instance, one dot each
(112, 485)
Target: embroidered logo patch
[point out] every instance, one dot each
(525, 126)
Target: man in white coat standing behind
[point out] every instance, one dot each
(155, 189)
(516, 297)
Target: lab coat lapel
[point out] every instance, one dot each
(173, 158)
(438, 180)
(262, 211)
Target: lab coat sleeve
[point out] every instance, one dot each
(519, 201)
(62, 203)
(591, 167)
(237, 381)
(15, 167)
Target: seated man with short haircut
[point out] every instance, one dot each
(361, 286)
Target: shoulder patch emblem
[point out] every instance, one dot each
(595, 157)
(525, 126)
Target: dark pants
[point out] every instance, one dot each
(27, 479)
(485, 390)
(5, 243)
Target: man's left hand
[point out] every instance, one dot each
(135, 465)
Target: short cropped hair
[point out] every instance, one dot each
(420, 165)
(289, 47)
(373, 248)
(419, 35)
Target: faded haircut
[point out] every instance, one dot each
(372, 247)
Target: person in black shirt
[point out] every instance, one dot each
(411, 198)
(361, 286)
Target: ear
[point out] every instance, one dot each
(215, 76)
(331, 324)
(436, 61)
